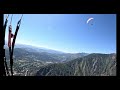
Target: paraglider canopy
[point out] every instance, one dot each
(90, 21)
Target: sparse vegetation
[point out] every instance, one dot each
(27, 63)
(91, 65)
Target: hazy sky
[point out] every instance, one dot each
(67, 32)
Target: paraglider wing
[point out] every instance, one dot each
(89, 20)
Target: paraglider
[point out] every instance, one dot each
(90, 21)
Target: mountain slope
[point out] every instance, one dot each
(46, 55)
(20, 53)
(91, 65)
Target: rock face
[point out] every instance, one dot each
(91, 65)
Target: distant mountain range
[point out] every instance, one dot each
(37, 49)
(42, 54)
(30, 60)
(31, 48)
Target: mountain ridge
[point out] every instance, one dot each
(90, 65)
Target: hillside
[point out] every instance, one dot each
(91, 65)
(45, 55)
(27, 61)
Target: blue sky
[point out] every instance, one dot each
(67, 32)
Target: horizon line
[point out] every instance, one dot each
(57, 49)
